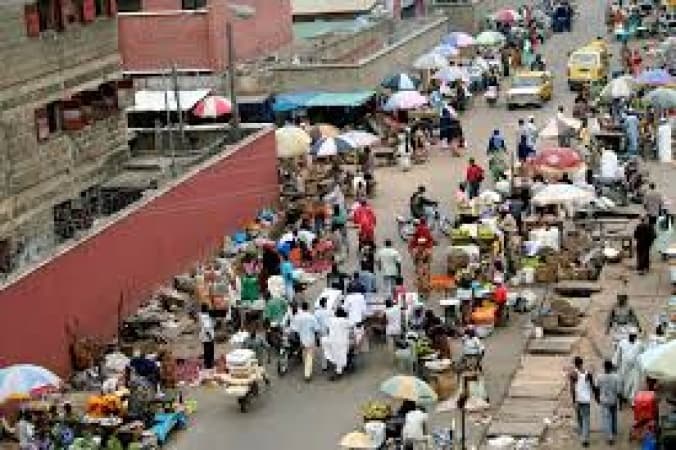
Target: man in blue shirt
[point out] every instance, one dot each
(286, 270)
(307, 326)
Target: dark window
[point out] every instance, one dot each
(194, 4)
(129, 5)
(50, 13)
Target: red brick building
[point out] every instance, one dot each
(154, 34)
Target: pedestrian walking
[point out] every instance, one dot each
(286, 270)
(581, 385)
(388, 259)
(653, 204)
(474, 176)
(608, 395)
(392, 323)
(644, 235)
(308, 329)
(206, 336)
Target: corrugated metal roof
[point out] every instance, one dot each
(311, 7)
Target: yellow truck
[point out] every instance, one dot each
(588, 64)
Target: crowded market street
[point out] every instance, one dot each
(298, 415)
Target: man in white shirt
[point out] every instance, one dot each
(415, 423)
(581, 383)
(307, 328)
(389, 263)
(322, 314)
(355, 304)
(392, 323)
(337, 343)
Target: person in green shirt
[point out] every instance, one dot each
(275, 310)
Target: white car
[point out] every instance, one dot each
(530, 89)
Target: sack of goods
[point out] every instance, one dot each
(241, 362)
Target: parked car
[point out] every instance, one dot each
(530, 89)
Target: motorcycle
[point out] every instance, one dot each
(439, 222)
(491, 95)
(290, 350)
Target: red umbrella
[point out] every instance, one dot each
(558, 158)
(507, 16)
(212, 106)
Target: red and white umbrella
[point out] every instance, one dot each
(507, 16)
(212, 106)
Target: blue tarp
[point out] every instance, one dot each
(289, 102)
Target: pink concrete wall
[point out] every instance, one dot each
(197, 40)
(134, 256)
(154, 43)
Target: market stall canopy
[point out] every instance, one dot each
(313, 99)
(331, 146)
(401, 82)
(292, 141)
(559, 127)
(406, 387)
(404, 100)
(490, 38)
(430, 61)
(562, 193)
(620, 87)
(22, 381)
(357, 440)
(660, 362)
(212, 106)
(655, 77)
(158, 101)
(360, 138)
(664, 98)
(458, 39)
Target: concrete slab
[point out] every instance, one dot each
(549, 391)
(516, 429)
(553, 345)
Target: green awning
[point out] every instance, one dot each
(337, 99)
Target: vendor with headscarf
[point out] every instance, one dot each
(420, 246)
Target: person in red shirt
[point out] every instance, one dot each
(500, 299)
(420, 246)
(365, 219)
(474, 176)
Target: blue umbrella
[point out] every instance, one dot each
(655, 77)
(401, 82)
(330, 146)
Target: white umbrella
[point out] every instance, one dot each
(403, 100)
(360, 138)
(559, 126)
(429, 61)
(562, 193)
(331, 146)
(620, 87)
(292, 141)
(660, 362)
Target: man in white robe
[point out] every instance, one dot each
(336, 343)
(626, 359)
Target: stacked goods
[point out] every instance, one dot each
(484, 315)
(460, 235)
(485, 233)
(376, 410)
(423, 348)
(546, 273)
(104, 405)
(241, 363)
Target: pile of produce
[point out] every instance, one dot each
(376, 410)
(484, 232)
(423, 347)
(459, 234)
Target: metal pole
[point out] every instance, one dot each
(179, 111)
(169, 126)
(231, 77)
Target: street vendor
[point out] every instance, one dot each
(420, 206)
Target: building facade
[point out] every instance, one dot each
(191, 34)
(62, 131)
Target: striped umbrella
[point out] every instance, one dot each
(404, 100)
(406, 387)
(458, 39)
(212, 106)
(360, 138)
(430, 61)
(446, 50)
(25, 380)
(331, 146)
(401, 82)
(292, 141)
(655, 77)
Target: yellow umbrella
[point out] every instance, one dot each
(292, 141)
(406, 387)
(323, 130)
(357, 440)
